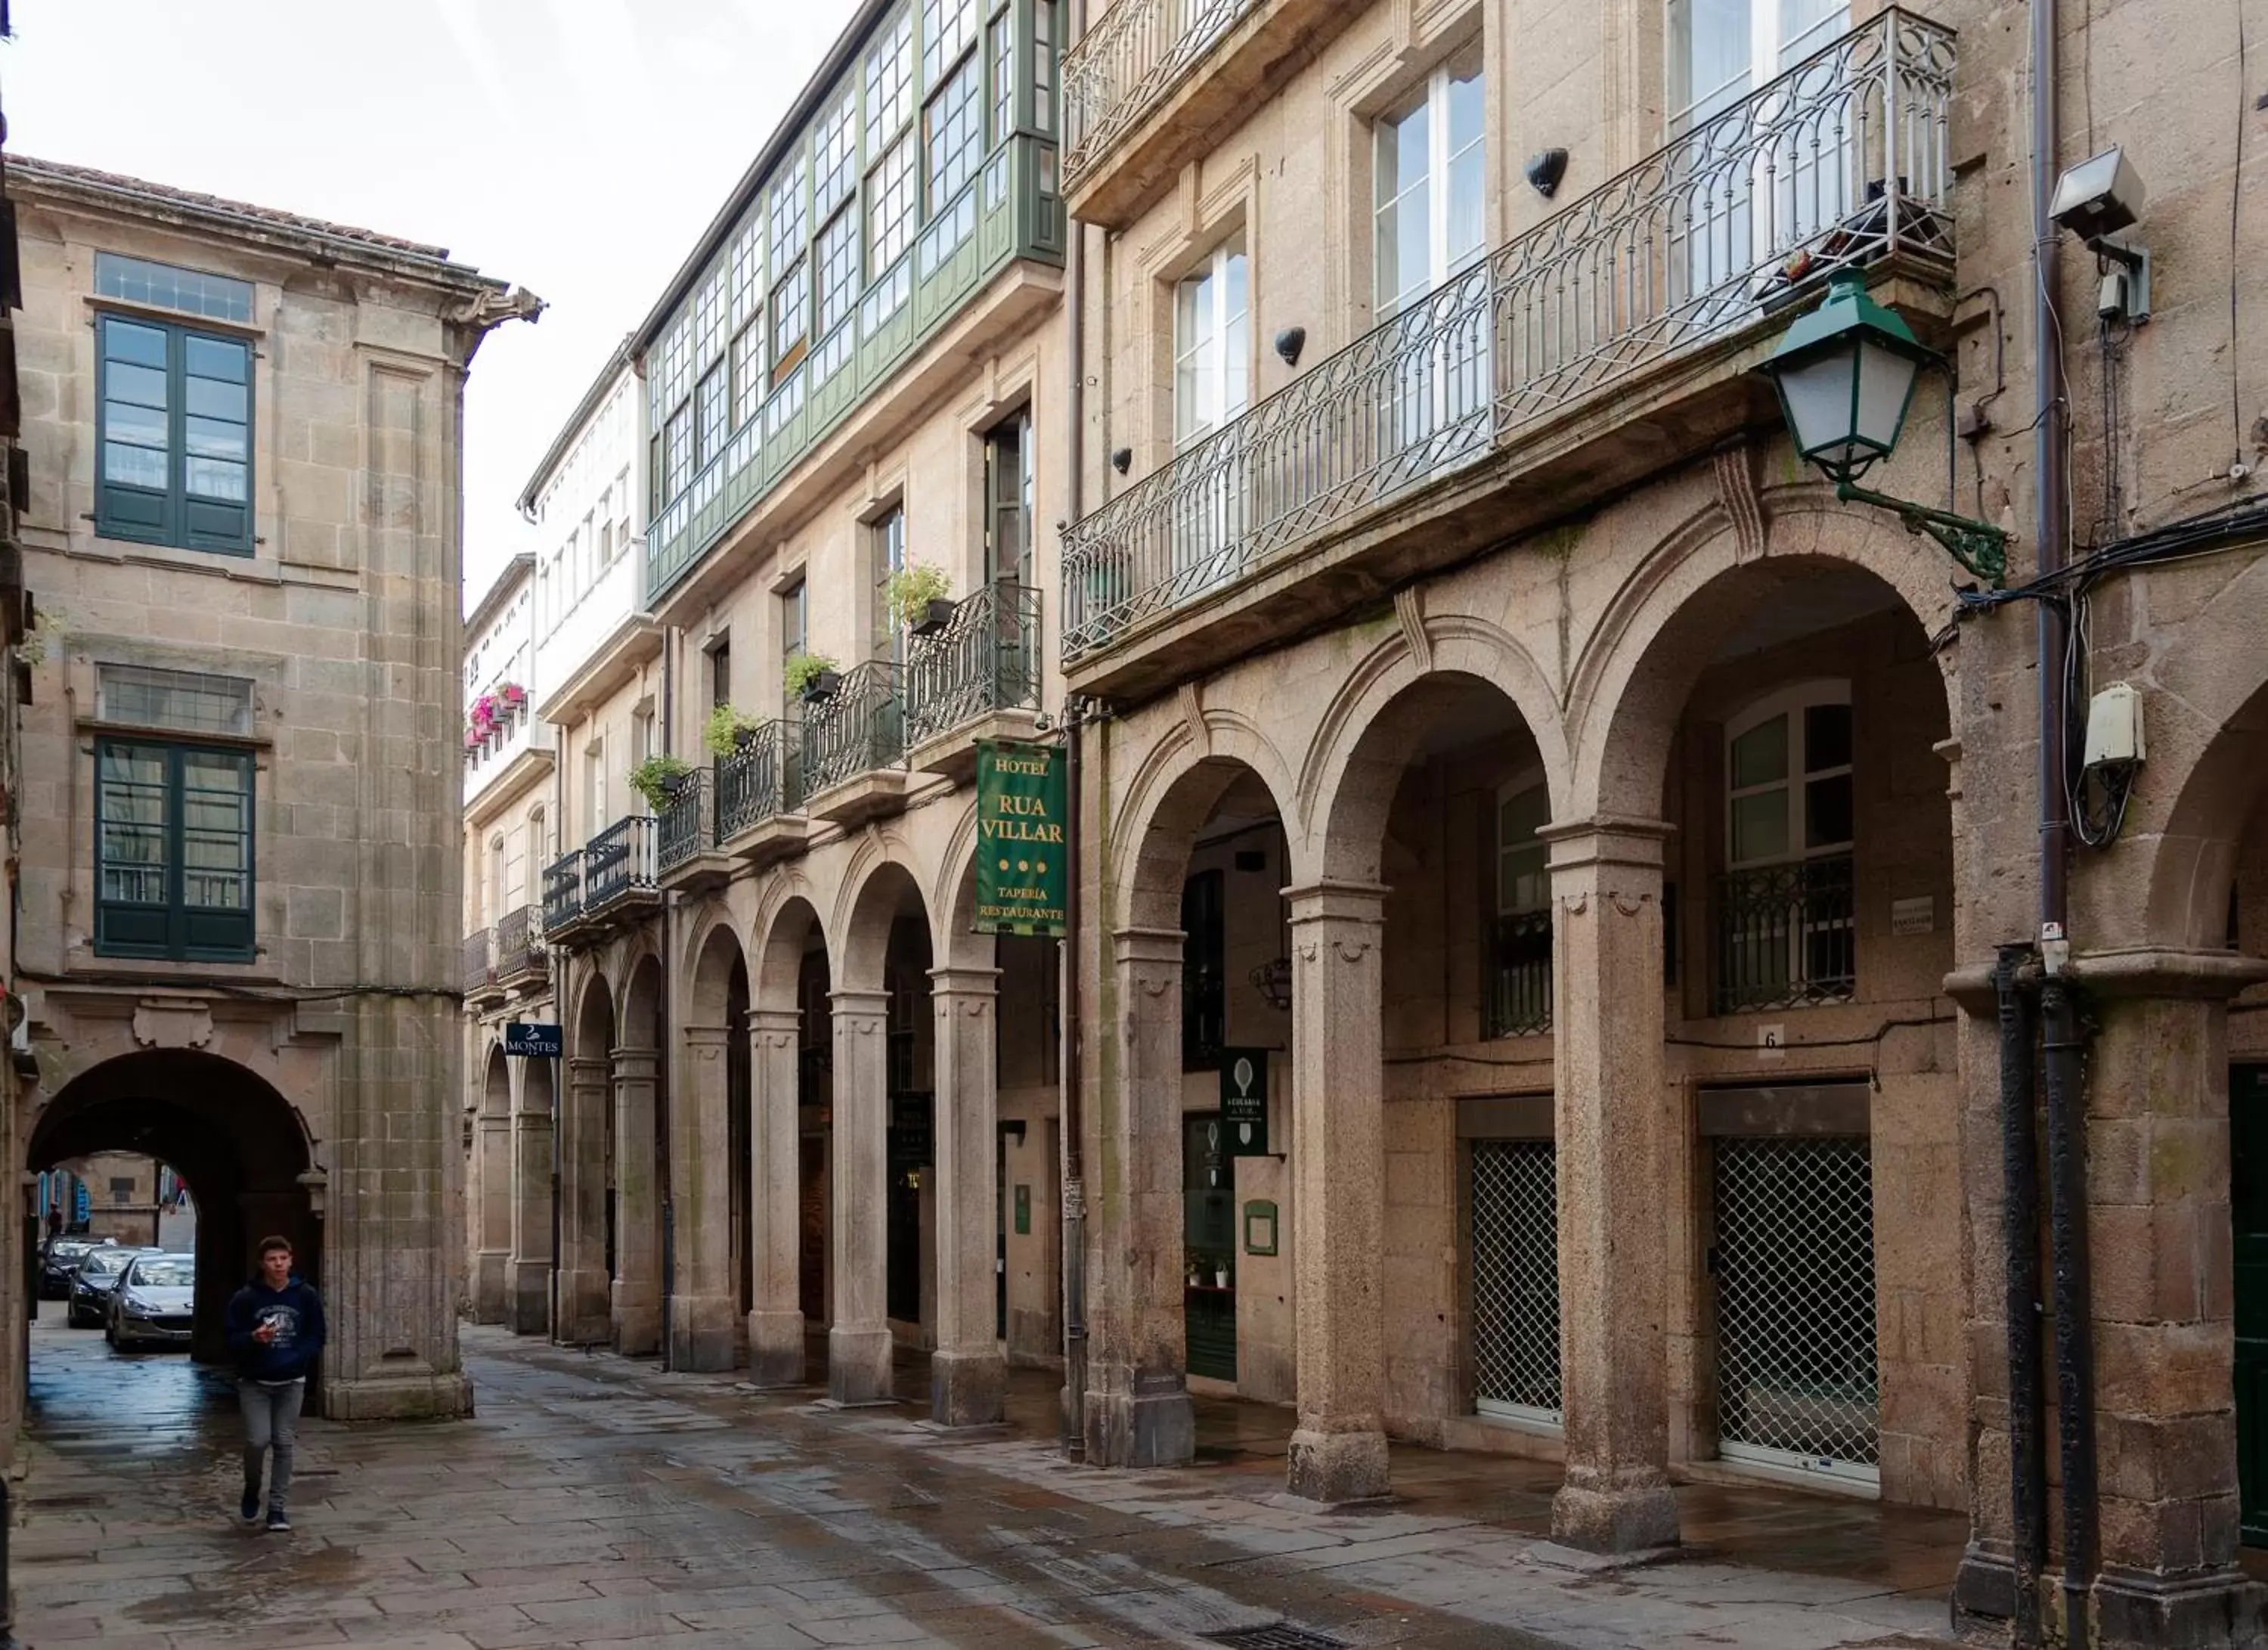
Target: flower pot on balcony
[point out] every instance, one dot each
(744, 737)
(934, 616)
(822, 685)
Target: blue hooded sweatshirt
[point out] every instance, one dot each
(297, 1312)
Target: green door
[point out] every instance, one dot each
(2247, 1198)
(1209, 1238)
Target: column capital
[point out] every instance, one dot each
(2145, 971)
(854, 1004)
(1148, 945)
(1332, 901)
(1607, 839)
(774, 1022)
(583, 1069)
(957, 981)
(707, 1036)
(636, 1062)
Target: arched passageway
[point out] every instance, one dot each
(791, 1126)
(239, 1144)
(491, 1192)
(1193, 1129)
(586, 1154)
(705, 1317)
(641, 1166)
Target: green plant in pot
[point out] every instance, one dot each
(920, 599)
(727, 730)
(658, 779)
(812, 676)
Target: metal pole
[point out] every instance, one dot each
(558, 1117)
(2020, 1225)
(1069, 952)
(7, 1587)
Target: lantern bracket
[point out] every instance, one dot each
(1979, 547)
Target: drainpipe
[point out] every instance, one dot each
(1071, 1106)
(2020, 1225)
(2064, 1040)
(664, 1084)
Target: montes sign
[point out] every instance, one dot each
(1023, 879)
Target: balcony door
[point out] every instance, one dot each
(1519, 999)
(1786, 920)
(1212, 387)
(1433, 380)
(1755, 188)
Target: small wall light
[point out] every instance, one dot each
(1545, 170)
(1122, 460)
(1289, 343)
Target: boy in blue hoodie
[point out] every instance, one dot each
(276, 1329)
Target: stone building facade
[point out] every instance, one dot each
(1586, 838)
(239, 888)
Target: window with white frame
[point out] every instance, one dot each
(1786, 933)
(1429, 183)
(1721, 50)
(953, 126)
(838, 267)
(538, 855)
(1212, 347)
(889, 208)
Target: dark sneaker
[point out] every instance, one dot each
(276, 1522)
(250, 1505)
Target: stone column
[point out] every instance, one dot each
(530, 1302)
(2159, 1231)
(858, 1344)
(969, 1372)
(585, 1311)
(1338, 1190)
(1138, 1411)
(703, 1307)
(776, 1316)
(1614, 1129)
(492, 1189)
(637, 1222)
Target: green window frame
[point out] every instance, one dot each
(173, 433)
(174, 851)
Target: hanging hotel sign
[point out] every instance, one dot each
(1023, 881)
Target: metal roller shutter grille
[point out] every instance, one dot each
(1515, 1269)
(1794, 1263)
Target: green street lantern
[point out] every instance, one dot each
(1845, 374)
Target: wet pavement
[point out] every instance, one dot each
(597, 1502)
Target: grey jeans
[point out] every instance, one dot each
(271, 1418)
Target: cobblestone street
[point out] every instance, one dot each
(595, 1502)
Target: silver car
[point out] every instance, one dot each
(154, 1303)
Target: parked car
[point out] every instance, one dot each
(153, 1301)
(59, 1261)
(97, 1275)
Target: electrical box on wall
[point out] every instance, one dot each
(2114, 727)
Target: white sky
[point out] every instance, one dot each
(576, 147)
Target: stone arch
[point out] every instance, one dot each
(594, 1018)
(496, 1084)
(1388, 696)
(872, 894)
(783, 928)
(952, 899)
(2195, 834)
(1636, 671)
(642, 1003)
(1173, 792)
(242, 1146)
(712, 951)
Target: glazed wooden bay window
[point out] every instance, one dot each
(175, 429)
(912, 181)
(172, 851)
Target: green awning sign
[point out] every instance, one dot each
(1023, 880)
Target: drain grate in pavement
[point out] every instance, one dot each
(1276, 1636)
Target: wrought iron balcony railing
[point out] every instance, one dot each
(1125, 66)
(478, 974)
(1841, 160)
(520, 945)
(562, 890)
(857, 728)
(759, 780)
(681, 829)
(1520, 975)
(618, 862)
(1787, 936)
(986, 658)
